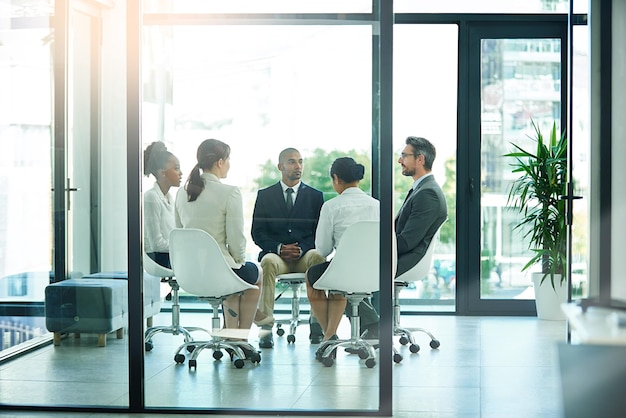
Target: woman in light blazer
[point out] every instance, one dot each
(205, 203)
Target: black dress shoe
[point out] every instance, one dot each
(316, 336)
(266, 341)
(372, 331)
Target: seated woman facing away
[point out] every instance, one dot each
(205, 203)
(337, 215)
(158, 205)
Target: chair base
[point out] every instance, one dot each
(239, 351)
(406, 334)
(295, 282)
(363, 348)
(327, 352)
(175, 328)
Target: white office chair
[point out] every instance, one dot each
(294, 281)
(201, 269)
(416, 273)
(155, 269)
(353, 272)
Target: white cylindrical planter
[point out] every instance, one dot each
(547, 299)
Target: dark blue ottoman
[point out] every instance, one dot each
(97, 306)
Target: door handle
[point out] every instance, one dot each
(68, 189)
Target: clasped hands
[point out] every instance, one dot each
(291, 252)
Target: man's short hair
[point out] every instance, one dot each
(283, 154)
(422, 146)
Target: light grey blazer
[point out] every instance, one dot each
(218, 210)
(417, 222)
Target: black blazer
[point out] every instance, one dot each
(271, 225)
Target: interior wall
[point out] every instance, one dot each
(113, 137)
(618, 195)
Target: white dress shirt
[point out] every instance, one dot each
(218, 210)
(158, 220)
(339, 213)
(294, 188)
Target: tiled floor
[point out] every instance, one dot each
(486, 367)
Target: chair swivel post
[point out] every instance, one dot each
(175, 328)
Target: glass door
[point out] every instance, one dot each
(82, 153)
(517, 78)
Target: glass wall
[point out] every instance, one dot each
(260, 89)
(521, 84)
(26, 247)
(214, 69)
(425, 104)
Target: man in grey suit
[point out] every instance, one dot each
(424, 209)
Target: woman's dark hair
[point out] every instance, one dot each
(347, 169)
(209, 152)
(155, 158)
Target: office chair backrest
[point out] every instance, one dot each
(355, 266)
(199, 265)
(422, 268)
(155, 269)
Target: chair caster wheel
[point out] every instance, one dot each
(148, 345)
(179, 358)
(414, 348)
(363, 354)
(291, 338)
(192, 364)
(370, 362)
(255, 358)
(217, 354)
(404, 340)
(435, 344)
(280, 332)
(190, 348)
(238, 363)
(328, 361)
(397, 358)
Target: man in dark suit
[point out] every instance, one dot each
(283, 224)
(423, 211)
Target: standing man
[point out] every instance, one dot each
(283, 224)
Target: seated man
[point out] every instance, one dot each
(424, 208)
(283, 224)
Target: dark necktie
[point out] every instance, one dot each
(401, 207)
(289, 199)
(407, 195)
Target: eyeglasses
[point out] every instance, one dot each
(403, 155)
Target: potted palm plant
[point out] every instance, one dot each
(536, 196)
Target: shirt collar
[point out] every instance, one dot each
(420, 180)
(210, 177)
(164, 197)
(285, 187)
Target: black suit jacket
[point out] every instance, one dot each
(417, 222)
(271, 225)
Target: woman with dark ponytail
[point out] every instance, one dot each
(158, 204)
(337, 215)
(206, 203)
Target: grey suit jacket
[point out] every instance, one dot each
(417, 222)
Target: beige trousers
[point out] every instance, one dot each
(273, 265)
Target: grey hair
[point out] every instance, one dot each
(422, 146)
